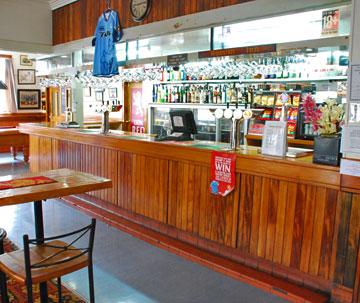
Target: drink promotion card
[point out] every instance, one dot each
(274, 139)
(222, 173)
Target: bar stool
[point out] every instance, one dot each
(3, 288)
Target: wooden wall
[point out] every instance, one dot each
(13, 120)
(307, 233)
(78, 20)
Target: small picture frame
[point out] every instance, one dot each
(26, 76)
(87, 91)
(28, 98)
(112, 93)
(99, 95)
(25, 61)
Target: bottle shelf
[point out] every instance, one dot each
(276, 80)
(195, 105)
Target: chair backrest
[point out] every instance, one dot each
(49, 260)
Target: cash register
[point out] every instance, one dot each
(183, 126)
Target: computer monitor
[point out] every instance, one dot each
(183, 121)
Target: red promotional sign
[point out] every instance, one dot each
(222, 173)
(137, 111)
(330, 21)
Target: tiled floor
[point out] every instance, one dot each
(127, 269)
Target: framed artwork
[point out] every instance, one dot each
(112, 93)
(87, 91)
(25, 61)
(99, 95)
(26, 76)
(28, 98)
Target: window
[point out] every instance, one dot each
(289, 28)
(3, 96)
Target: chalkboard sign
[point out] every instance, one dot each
(176, 60)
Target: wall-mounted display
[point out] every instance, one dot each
(28, 98)
(113, 93)
(25, 61)
(99, 95)
(87, 91)
(26, 76)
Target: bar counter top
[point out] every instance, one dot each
(249, 159)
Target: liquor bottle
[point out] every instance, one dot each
(188, 95)
(177, 95)
(193, 94)
(210, 94)
(159, 94)
(216, 95)
(197, 94)
(166, 74)
(154, 93)
(182, 74)
(278, 69)
(224, 95)
(202, 95)
(163, 76)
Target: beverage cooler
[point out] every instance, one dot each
(208, 127)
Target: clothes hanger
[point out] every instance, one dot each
(108, 8)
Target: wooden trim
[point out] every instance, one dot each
(341, 294)
(350, 183)
(238, 51)
(5, 56)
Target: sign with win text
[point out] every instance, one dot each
(222, 173)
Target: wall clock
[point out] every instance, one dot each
(140, 9)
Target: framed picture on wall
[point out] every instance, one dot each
(25, 61)
(99, 95)
(28, 98)
(113, 93)
(87, 91)
(26, 76)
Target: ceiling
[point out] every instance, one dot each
(54, 4)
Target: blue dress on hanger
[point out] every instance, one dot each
(107, 33)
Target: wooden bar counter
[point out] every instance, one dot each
(286, 217)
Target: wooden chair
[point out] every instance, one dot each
(50, 258)
(3, 289)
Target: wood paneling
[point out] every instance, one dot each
(348, 240)
(13, 120)
(193, 209)
(284, 222)
(78, 20)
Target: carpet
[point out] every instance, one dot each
(17, 292)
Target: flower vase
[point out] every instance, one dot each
(327, 150)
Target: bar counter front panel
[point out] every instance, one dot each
(287, 217)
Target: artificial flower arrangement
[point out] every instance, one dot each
(326, 119)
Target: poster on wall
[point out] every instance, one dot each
(330, 22)
(137, 111)
(222, 173)
(28, 98)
